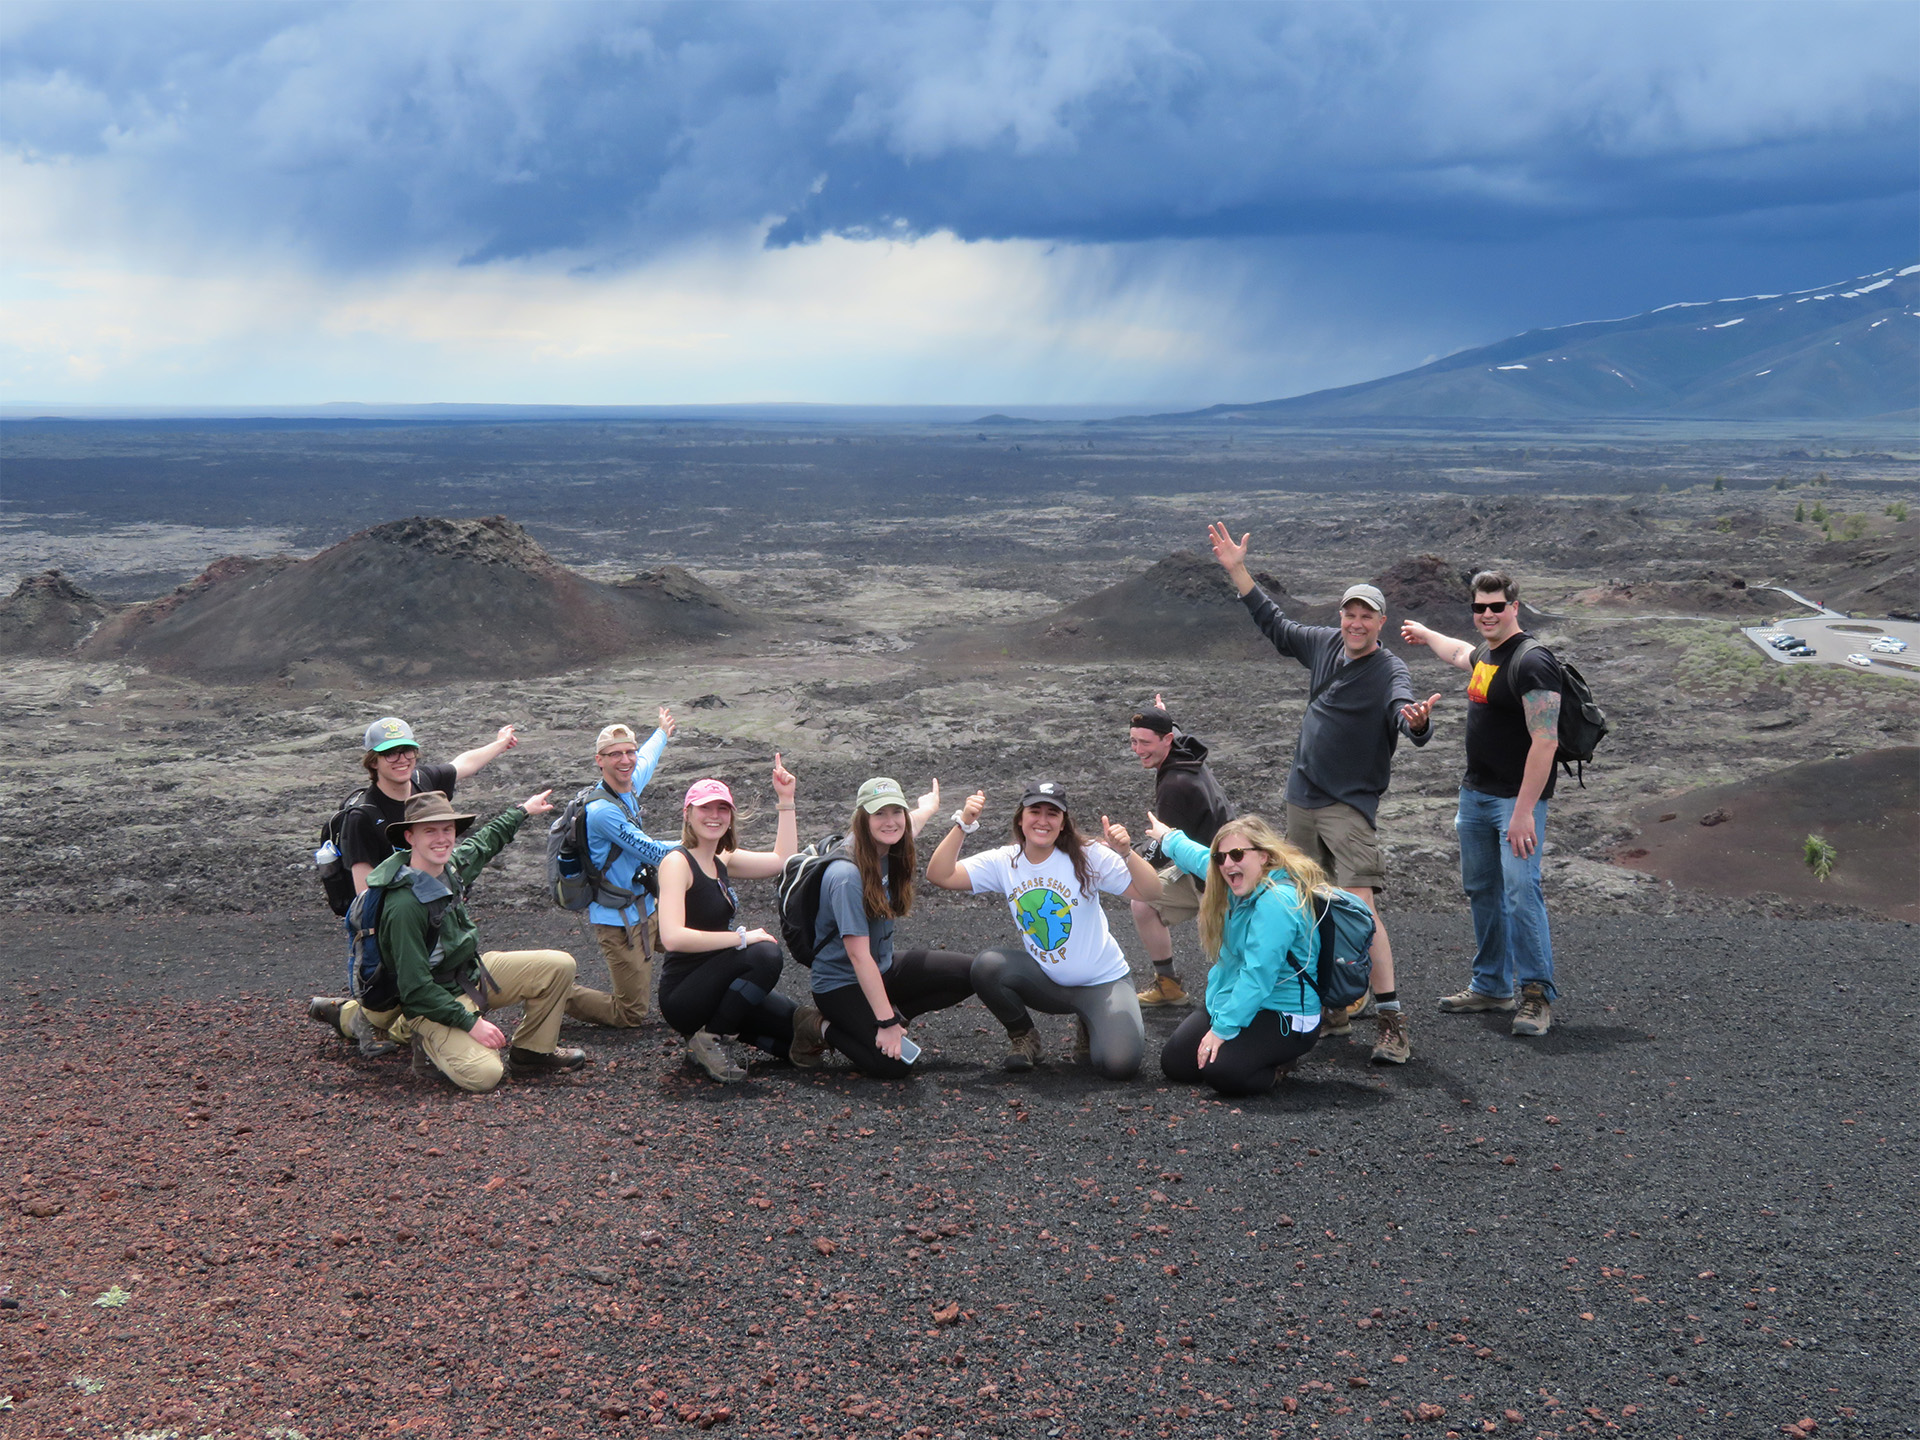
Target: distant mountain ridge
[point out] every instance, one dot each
(1847, 351)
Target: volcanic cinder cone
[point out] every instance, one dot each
(422, 599)
(47, 614)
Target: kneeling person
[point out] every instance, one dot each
(428, 939)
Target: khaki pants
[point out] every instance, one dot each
(390, 1023)
(1179, 899)
(632, 974)
(538, 981)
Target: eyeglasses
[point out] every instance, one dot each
(1489, 607)
(1237, 854)
(407, 755)
(627, 754)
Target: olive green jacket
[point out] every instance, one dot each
(430, 969)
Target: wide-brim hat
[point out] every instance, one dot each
(426, 808)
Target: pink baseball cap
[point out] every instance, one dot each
(705, 792)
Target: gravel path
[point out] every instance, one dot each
(1687, 1212)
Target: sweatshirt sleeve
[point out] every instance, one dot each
(403, 944)
(1288, 637)
(1186, 852)
(471, 855)
(1399, 696)
(1277, 931)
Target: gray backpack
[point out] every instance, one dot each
(572, 878)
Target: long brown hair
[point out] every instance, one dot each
(1305, 874)
(874, 885)
(1070, 841)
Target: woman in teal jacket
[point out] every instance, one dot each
(1261, 1015)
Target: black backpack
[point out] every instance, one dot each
(336, 876)
(1583, 724)
(800, 879)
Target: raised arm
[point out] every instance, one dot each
(1146, 880)
(928, 807)
(759, 864)
(648, 759)
(471, 762)
(1457, 653)
(1232, 555)
(945, 869)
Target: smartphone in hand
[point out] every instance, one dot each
(909, 1051)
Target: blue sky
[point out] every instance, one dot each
(638, 204)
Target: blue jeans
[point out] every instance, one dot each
(1513, 946)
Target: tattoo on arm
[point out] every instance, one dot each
(1543, 713)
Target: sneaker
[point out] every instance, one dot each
(809, 1048)
(1394, 1048)
(537, 1062)
(325, 1010)
(1165, 990)
(1535, 1016)
(1364, 1008)
(704, 1051)
(1023, 1051)
(1472, 1002)
(1082, 1042)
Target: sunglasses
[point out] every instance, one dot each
(1489, 607)
(1237, 854)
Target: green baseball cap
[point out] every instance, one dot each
(390, 734)
(880, 792)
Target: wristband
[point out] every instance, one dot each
(960, 820)
(894, 1019)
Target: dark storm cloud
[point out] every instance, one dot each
(368, 135)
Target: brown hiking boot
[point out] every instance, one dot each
(704, 1052)
(1165, 990)
(1535, 1016)
(1339, 1021)
(1472, 1002)
(809, 1048)
(1023, 1051)
(1394, 1048)
(1082, 1042)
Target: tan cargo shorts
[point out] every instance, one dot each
(1179, 898)
(1340, 839)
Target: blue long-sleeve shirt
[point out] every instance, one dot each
(617, 822)
(1267, 947)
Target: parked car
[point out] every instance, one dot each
(1859, 660)
(1888, 645)
(1800, 650)
(1784, 642)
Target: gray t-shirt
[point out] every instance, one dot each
(843, 911)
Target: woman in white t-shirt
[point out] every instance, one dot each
(1070, 962)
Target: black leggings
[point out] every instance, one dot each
(1246, 1064)
(729, 992)
(918, 981)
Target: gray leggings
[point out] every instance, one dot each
(1008, 984)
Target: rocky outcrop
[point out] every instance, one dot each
(47, 614)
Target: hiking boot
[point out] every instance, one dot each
(422, 1063)
(1472, 1002)
(1535, 1016)
(536, 1062)
(325, 1010)
(704, 1051)
(1082, 1042)
(1165, 990)
(809, 1048)
(1339, 1020)
(1023, 1050)
(1394, 1048)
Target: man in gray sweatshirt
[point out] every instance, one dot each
(1361, 703)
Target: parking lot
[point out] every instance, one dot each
(1835, 637)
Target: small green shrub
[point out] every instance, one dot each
(1820, 856)
(1898, 509)
(1719, 483)
(1800, 513)
(1854, 527)
(1819, 513)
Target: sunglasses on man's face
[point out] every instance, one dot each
(1489, 607)
(1236, 855)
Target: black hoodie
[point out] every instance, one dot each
(1185, 794)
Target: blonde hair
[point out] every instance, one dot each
(1305, 874)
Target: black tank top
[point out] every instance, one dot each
(711, 905)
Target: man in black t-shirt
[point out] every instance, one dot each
(395, 774)
(1513, 732)
(1188, 797)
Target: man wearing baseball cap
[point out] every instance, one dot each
(1360, 704)
(395, 774)
(618, 847)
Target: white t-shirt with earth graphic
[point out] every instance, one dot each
(1062, 928)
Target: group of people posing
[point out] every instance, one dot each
(1243, 882)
